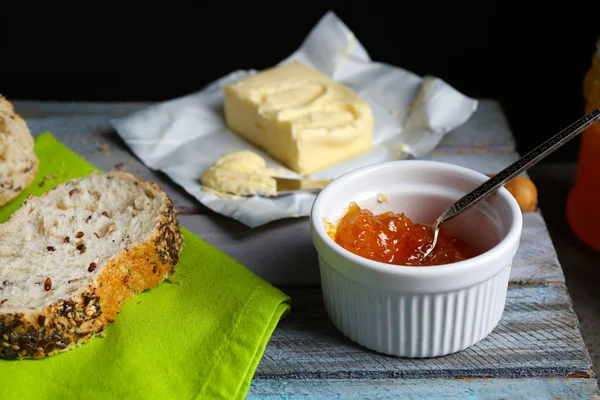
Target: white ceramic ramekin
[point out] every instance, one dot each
(417, 311)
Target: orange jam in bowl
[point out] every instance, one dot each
(394, 239)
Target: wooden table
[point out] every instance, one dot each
(536, 351)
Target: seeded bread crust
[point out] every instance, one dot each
(70, 322)
(16, 151)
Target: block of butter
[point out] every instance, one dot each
(299, 116)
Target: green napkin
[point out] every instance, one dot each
(201, 335)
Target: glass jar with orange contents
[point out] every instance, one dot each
(583, 206)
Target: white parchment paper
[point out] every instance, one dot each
(184, 136)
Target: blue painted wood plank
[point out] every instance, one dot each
(430, 389)
(486, 130)
(538, 336)
(41, 109)
(536, 260)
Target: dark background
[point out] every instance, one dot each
(531, 59)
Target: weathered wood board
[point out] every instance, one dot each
(40, 109)
(530, 354)
(538, 336)
(426, 389)
(486, 131)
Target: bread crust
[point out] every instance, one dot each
(70, 322)
(14, 126)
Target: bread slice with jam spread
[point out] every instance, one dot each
(70, 258)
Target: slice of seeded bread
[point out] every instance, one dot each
(18, 162)
(70, 258)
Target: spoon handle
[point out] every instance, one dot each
(528, 160)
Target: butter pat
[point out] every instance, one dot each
(242, 173)
(299, 116)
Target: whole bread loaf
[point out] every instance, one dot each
(18, 162)
(70, 258)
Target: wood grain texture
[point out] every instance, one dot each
(40, 109)
(486, 131)
(425, 389)
(536, 261)
(537, 336)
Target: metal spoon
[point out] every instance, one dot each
(497, 181)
